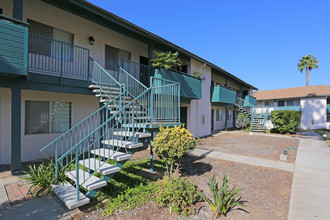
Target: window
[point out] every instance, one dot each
(48, 41)
(115, 58)
(267, 104)
(280, 103)
(289, 103)
(218, 116)
(328, 117)
(229, 115)
(43, 117)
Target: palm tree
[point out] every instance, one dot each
(309, 62)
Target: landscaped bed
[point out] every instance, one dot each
(242, 143)
(266, 191)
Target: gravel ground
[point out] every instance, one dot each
(267, 192)
(243, 143)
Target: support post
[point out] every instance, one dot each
(226, 117)
(151, 154)
(15, 129)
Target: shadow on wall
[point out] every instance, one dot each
(313, 114)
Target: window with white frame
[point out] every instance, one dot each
(229, 115)
(280, 103)
(50, 41)
(43, 117)
(267, 104)
(220, 114)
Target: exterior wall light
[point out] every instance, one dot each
(91, 40)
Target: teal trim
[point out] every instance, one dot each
(13, 47)
(328, 109)
(47, 83)
(16, 129)
(190, 87)
(223, 95)
(294, 108)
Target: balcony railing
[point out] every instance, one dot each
(57, 58)
(249, 101)
(294, 108)
(190, 87)
(13, 46)
(223, 95)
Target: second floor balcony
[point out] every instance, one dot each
(221, 94)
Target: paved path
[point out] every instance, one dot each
(310, 194)
(39, 208)
(245, 159)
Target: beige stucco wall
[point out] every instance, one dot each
(5, 125)
(7, 7)
(200, 111)
(82, 30)
(81, 107)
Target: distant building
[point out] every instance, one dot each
(313, 101)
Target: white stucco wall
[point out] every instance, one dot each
(5, 125)
(82, 106)
(201, 108)
(314, 113)
(82, 30)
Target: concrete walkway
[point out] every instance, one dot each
(310, 194)
(39, 208)
(245, 159)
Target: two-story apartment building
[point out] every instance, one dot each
(312, 101)
(49, 53)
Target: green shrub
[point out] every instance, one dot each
(242, 121)
(171, 144)
(197, 74)
(286, 121)
(166, 60)
(178, 194)
(41, 177)
(130, 198)
(224, 199)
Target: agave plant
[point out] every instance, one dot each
(41, 177)
(224, 199)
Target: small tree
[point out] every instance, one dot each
(171, 144)
(243, 121)
(166, 60)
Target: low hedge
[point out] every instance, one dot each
(286, 121)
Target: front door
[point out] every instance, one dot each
(183, 116)
(212, 119)
(144, 76)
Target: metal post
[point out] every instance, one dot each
(151, 154)
(77, 173)
(61, 64)
(226, 117)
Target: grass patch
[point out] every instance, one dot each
(325, 133)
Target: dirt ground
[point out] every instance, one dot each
(267, 191)
(255, 145)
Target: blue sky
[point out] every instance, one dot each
(259, 41)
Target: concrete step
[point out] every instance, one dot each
(111, 96)
(94, 86)
(108, 100)
(110, 154)
(130, 134)
(120, 143)
(130, 112)
(138, 118)
(67, 194)
(101, 166)
(88, 182)
(114, 92)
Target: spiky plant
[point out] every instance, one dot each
(307, 62)
(224, 199)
